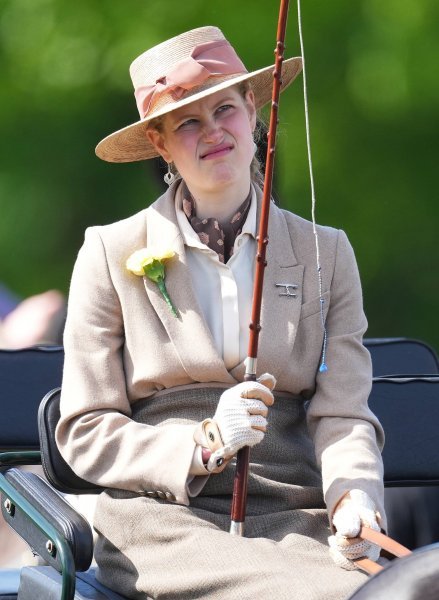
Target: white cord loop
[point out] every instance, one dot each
(323, 366)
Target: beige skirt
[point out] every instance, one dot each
(149, 548)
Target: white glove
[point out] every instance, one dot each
(241, 416)
(355, 510)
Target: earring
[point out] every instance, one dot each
(169, 177)
(255, 147)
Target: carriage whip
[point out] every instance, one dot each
(239, 499)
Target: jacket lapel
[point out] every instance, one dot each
(189, 332)
(280, 313)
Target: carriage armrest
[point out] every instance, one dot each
(14, 458)
(59, 474)
(57, 511)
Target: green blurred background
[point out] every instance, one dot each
(373, 96)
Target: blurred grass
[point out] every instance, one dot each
(373, 94)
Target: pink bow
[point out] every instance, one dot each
(210, 58)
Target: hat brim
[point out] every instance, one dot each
(131, 144)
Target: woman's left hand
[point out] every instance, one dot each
(356, 509)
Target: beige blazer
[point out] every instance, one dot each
(123, 344)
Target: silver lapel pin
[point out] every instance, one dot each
(289, 289)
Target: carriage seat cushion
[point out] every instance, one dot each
(9, 580)
(45, 582)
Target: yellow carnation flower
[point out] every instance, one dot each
(149, 262)
(144, 257)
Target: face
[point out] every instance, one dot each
(210, 141)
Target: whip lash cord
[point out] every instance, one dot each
(323, 367)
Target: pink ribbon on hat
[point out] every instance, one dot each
(205, 60)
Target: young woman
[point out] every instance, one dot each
(153, 405)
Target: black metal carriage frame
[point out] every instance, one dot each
(405, 396)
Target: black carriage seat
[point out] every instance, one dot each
(39, 513)
(401, 356)
(404, 397)
(412, 510)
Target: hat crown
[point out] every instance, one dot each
(159, 60)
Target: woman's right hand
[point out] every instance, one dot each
(241, 416)
(240, 420)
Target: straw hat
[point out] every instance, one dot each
(182, 70)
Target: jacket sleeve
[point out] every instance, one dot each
(347, 436)
(96, 434)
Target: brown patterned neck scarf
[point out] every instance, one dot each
(217, 237)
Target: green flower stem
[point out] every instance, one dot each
(156, 272)
(161, 285)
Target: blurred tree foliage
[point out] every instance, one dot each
(373, 94)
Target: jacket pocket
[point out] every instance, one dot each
(312, 307)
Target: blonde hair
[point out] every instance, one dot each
(256, 173)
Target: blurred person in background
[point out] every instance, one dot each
(38, 319)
